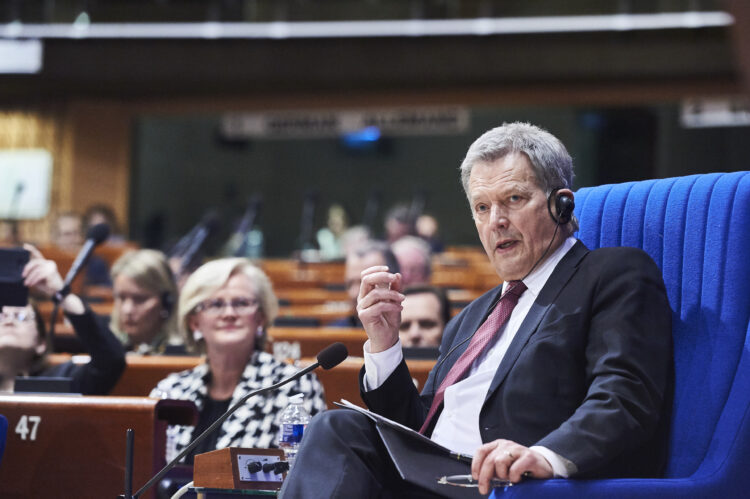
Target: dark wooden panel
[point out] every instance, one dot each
(75, 446)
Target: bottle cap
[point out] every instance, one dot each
(297, 399)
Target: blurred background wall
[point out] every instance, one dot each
(132, 99)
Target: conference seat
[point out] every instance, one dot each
(697, 229)
(309, 341)
(3, 435)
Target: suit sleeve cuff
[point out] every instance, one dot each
(561, 467)
(378, 366)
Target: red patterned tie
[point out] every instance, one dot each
(479, 342)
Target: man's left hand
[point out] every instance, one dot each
(507, 460)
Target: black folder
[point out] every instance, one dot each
(418, 459)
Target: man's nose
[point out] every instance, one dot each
(414, 332)
(498, 216)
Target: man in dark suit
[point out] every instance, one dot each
(561, 371)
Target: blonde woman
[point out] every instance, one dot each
(144, 314)
(225, 308)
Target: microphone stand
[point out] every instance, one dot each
(95, 236)
(210, 429)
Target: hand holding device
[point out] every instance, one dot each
(13, 292)
(40, 275)
(42, 278)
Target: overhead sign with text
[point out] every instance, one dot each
(322, 124)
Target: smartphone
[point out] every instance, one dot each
(12, 291)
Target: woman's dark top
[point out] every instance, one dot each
(107, 363)
(210, 413)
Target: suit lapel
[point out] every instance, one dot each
(547, 296)
(470, 324)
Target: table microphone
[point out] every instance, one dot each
(95, 236)
(329, 357)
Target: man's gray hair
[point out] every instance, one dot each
(419, 244)
(549, 159)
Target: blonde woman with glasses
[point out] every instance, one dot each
(225, 308)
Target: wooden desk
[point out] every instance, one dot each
(142, 372)
(72, 446)
(314, 339)
(295, 274)
(311, 296)
(324, 313)
(342, 381)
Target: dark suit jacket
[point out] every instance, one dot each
(587, 374)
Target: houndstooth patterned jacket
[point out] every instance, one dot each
(255, 423)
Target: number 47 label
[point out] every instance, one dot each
(27, 426)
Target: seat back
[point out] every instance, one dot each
(697, 229)
(3, 435)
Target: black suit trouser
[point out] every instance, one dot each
(342, 456)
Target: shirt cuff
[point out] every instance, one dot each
(378, 366)
(561, 467)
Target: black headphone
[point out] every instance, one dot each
(167, 302)
(564, 206)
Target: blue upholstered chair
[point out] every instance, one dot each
(3, 434)
(697, 229)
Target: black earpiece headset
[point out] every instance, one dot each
(168, 298)
(167, 302)
(564, 206)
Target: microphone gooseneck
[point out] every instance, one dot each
(329, 357)
(94, 237)
(207, 228)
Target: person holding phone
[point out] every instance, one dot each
(24, 344)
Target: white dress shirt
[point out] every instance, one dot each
(457, 427)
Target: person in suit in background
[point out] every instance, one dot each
(426, 312)
(100, 213)
(562, 370)
(427, 228)
(398, 223)
(359, 258)
(414, 260)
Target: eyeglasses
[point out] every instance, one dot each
(17, 316)
(240, 306)
(468, 481)
(423, 324)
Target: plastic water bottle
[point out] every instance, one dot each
(294, 420)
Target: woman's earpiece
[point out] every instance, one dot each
(167, 302)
